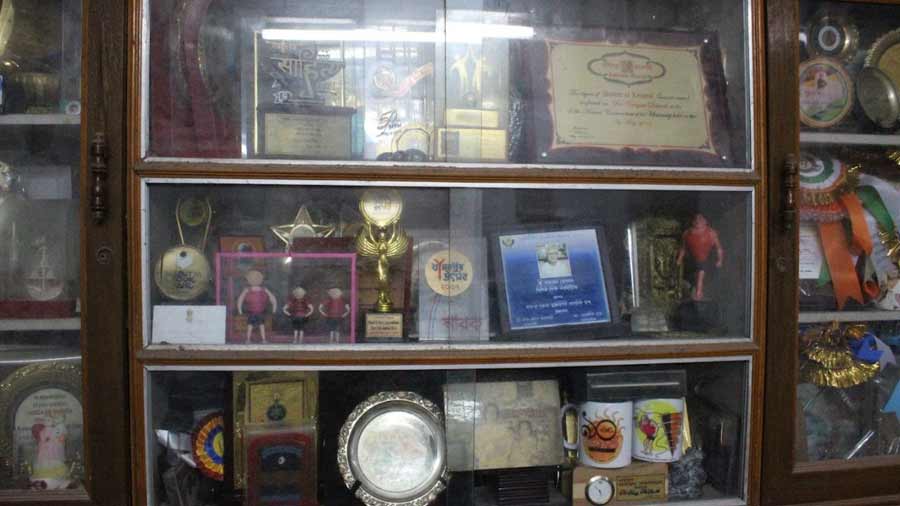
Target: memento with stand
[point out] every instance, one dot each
(294, 119)
(698, 312)
(382, 240)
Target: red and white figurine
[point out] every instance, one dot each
(335, 309)
(298, 309)
(254, 299)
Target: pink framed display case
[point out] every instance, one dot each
(317, 273)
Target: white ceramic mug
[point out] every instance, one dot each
(604, 433)
(658, 427)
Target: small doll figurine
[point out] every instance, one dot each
(49, 470)
(699, 241)
(256, 297)
(334, 309)
(299, 310)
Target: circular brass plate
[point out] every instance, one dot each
(878, 96)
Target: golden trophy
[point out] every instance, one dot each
(382, 240)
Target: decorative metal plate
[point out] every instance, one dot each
(833, 36)
(885, 55)
(878, 96)
(392, 448)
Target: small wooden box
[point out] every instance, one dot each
(638, 483)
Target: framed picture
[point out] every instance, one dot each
(629, 97)
(42, 426)
(294, 298)
(503, 425)
(243, 244)
(298, 392)
(281, 466)
(554, 278)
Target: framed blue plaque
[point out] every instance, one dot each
(554, 278)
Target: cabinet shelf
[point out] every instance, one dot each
(848, 316)
(849, 139)
(39, 119)
(381, 354)
(39, 324)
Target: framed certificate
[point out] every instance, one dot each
(629, 97)
(554, 278)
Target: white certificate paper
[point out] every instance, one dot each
(811, 254)
(188, 324)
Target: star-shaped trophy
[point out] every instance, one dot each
(302, 227)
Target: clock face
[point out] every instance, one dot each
(599, 490)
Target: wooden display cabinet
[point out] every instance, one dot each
(174, 88)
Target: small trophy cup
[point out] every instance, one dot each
(382, 240)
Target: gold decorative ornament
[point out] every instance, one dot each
(894, 156)
(827, 359)
(302, 226)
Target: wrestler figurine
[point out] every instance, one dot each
(698, 241)
(334, 309)
(255, 297)
(299, 310)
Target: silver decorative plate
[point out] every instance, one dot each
(392, 448)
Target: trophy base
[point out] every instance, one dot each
(384, 326)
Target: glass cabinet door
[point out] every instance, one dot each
(42, 437)
(611, 83)
(848, 397)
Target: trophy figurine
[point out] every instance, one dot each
(382, 240)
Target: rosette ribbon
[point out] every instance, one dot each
(827, 197)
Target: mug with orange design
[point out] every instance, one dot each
(604, 433)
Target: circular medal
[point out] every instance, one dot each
(826, 92)
(449, 273)
(878, 96)
(182, 273)
(208, 446)
(832, 36)
(381, 206)
(599, 490)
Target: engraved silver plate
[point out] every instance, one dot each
(392, 448)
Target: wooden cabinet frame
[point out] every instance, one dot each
(103, 292)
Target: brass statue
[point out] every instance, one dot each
(381, 238)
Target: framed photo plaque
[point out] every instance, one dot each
(41, 426)
(629, 97)
(554, 278)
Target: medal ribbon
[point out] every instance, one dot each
(840, 263)
(889, 195)
(860, 238)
